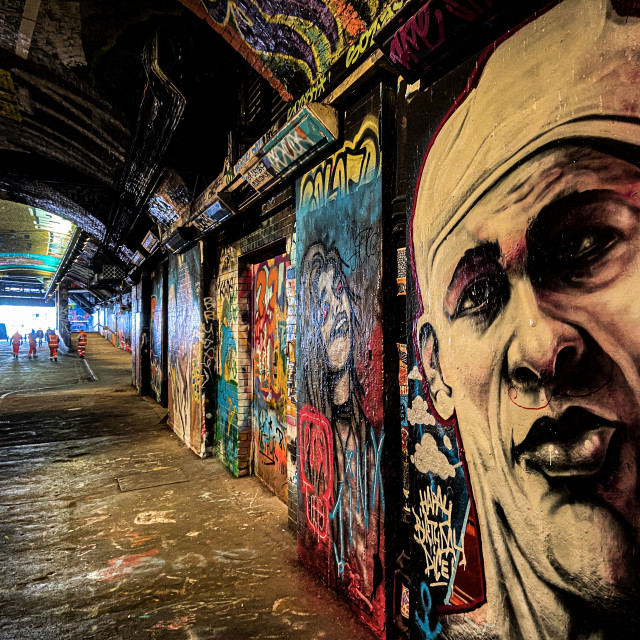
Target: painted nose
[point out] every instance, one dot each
(543, 349)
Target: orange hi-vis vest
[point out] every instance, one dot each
(82, 340)
(16, 338)
(53, 341)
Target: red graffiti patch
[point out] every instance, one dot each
(316, 469)
(118, 567)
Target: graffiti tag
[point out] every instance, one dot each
(434, 532)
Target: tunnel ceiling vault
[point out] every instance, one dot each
(86, 128)
(32, 245)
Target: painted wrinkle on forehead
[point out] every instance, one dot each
(507, 210)
(503, 215)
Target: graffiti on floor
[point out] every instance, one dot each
(125, 565)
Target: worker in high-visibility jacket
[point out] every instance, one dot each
(82, 343)
(32, 344)
(16, 339)
(53, 346)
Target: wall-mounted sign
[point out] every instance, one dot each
(150, 242)
(138, 258)
(427, 40)
(212, 216)
(209, 194)
(310, 130)
(169, 200)
(180, 239)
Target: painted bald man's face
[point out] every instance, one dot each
(531, 333)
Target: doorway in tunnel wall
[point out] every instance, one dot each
(269, 335)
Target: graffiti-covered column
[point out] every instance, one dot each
(184, 348)
(210, 339)
(157, 332)
(292, 411)
(227, 426)
(341, 433)
(62, 313)
(140, 334)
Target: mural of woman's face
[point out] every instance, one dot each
(335, 317)
(533, 298)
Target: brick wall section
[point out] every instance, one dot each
(243, 342)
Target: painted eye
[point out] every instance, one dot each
(325, 311)
(580, 255)
(339, 288)
(483, 298)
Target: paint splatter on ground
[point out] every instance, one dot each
(77, 565)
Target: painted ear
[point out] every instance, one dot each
(441, 394)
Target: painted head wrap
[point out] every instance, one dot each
(572, 73)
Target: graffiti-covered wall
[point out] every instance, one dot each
(293, 44)
(210, 337)
(79, 319)
(254, 356)
(136, 327)
(339, 364)
(227, 427)
(269, 337)
(523, 368)
(123, 325)
(292, 407)
(117, 323)
(184, 351)
(156, 327)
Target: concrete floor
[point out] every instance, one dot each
(207, 557)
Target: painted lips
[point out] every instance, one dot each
(340, 326)
(573, 445)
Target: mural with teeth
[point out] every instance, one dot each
(523, 403)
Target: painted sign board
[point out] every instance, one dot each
(212, 216)
(311, 129)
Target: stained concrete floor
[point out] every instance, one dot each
(207, 557)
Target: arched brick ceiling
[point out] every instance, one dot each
(72, 82)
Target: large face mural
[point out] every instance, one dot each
(525, 247)
(340, 430)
